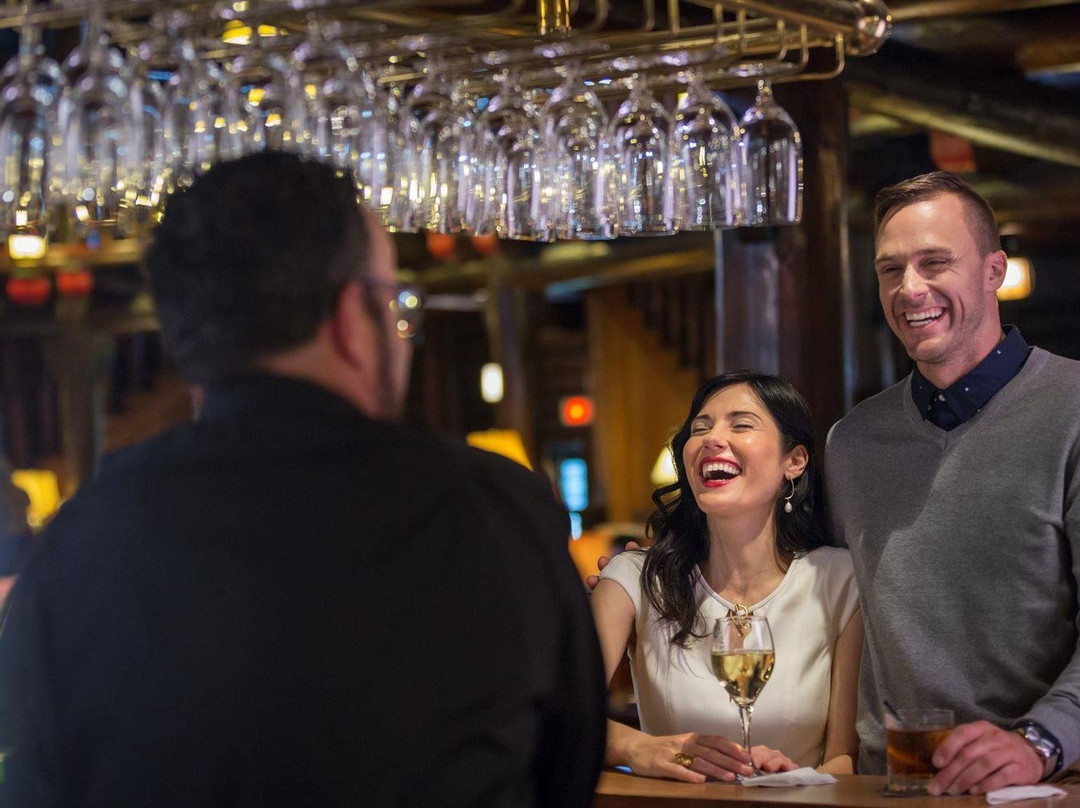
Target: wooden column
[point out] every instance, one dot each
(785, 291)
(816, 323)
(506, 324)
(78, 357)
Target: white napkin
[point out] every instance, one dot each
(800, 777)
(1014, 793)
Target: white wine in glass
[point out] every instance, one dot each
(743, 659)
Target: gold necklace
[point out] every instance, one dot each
(741, 615)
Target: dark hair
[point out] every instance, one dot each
(677, 526)
(250, 260)
(978, 213)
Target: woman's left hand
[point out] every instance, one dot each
(770, 760)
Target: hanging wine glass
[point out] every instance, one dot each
(30, 86)
(328, 73)
(576, 206)
(223, 140)
(708, 165)
(267, 100)
(392, 161)
(773, 164)
(510, 157)
(388, 147)
(348, 112)
(100, 133)
(169, 66)
(640, 135)
(437, 125)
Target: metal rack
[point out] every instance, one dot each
(732, 43)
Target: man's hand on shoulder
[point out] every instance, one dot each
(980, 757)
(592, 580)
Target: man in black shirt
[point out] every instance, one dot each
(295, 600)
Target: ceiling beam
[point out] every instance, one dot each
(1000, 111)
(904, 10)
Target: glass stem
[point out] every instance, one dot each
(745, 715)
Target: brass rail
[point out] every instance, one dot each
(746, 40)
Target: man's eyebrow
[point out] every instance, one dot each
(882, 259)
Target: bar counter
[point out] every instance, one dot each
(617, 790)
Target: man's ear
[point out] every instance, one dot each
(997, 262)
(352, 332)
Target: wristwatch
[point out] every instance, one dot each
(1046, 746)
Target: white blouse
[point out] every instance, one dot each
(677, 691)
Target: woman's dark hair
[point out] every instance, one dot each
(677, 526)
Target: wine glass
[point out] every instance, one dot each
(709, 166)
(640, 136)
(169, 69)
(437, 124)
(391, 160)
(575, 124)
(329, 74)
(773, 162)
(509, 153)
(30, 86)
(348, 111)
(743, 659)
(267, 99)
(100, 131)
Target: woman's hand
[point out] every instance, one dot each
(708, 756)
(770, 760)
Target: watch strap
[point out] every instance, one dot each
(1044, 743)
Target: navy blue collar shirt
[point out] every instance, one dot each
(960, 401)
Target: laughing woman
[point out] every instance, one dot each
(742, 529)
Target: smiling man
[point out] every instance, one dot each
(958, 493)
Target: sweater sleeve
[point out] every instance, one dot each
(1059, 710)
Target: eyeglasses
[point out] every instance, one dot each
(406, 304)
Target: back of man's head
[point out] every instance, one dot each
(249, 261)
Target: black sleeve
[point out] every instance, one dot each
(570, 748)
(26, 719)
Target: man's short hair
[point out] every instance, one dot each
(250, 260)
(978, 213)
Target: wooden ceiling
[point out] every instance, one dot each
(1004, 76)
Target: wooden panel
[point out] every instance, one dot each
(641, 398)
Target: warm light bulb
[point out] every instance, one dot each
(663, 471)
(26, 246)
(491, 382)
(1019, 280)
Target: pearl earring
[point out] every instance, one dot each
(787, 499)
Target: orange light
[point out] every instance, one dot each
(441, 245)
(576, 411)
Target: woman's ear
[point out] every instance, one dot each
(795, 463)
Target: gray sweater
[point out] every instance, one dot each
(966, 547)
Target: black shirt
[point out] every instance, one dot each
(287, 603)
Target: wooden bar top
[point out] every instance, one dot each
(617, 790)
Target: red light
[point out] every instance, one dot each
(576, 411)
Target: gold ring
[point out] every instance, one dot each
(684, 760)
